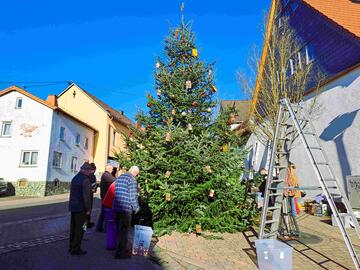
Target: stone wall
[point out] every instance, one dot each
(53, 188)
(23, 187)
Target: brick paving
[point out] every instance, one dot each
(320, 247)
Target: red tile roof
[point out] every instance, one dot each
(345, 13)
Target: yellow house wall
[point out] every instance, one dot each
(121, 132)
(85, 109)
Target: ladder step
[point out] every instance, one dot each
(321, 163)
(282, 153)
(280, 166)
(329, 180)
(336, 195)
(277, 181)
(270, 234)
(310, 133)
(275, 194)
(271, 221)
(270, 208)
(315, 148)
(284, 139)
(304, 120)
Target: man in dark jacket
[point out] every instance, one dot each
(106, 180)
(125, 203)
(79, 206)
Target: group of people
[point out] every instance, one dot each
(119, 198)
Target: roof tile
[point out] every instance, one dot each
(345, 13)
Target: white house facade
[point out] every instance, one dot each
(71, 145)
(30, 135)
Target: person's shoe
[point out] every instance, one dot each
(78, 252)
(90, 225)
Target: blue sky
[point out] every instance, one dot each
(109, 47)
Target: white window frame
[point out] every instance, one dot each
(64, 134)
(3, 129)
(292, 67)
(77, 139)
(73, 168)
(308, 60)
(17, 103)
(31, 152)
(86, 143)
(60, 162)
(299, 60)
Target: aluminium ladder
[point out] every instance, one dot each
(295, 118)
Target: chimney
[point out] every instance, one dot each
(52, 100)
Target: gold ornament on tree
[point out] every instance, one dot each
(173, 111)
(167, 197)
(158, 92)
(183, 113)
(168, 136)
(188, 84)
(213, 88)
(225, 147)
(208, 109)
(208, 169)
(189, 127)
(194, 52)
(176, 34)
(211, 193)
(167, 174)
(198, 229)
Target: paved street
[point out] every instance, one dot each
(37, 238)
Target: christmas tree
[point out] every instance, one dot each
(190, 161)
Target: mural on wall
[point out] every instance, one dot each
(27, 130)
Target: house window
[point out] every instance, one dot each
(18, 104)
(62, 133)
(57, 159)
(309, 53)
(299, 60)
(292, 66)
(86, 143)
(77, 139)
(74, 161)
(6, 129)
(29, 158)
(114, 137)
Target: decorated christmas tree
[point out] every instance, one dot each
(190, 160)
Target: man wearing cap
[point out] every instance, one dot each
(125, 203)
(79, 206)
